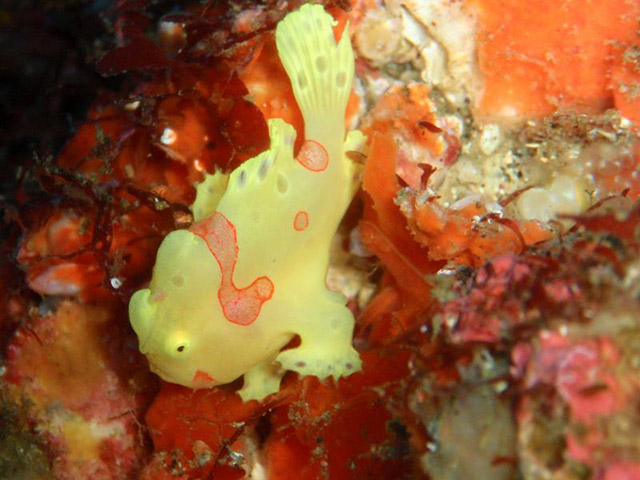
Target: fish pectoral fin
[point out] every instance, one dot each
(261, 381)
(325, 349)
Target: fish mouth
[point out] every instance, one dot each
(159, 371)
(153, 366)
(162, 373)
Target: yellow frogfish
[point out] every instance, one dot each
(230, 292)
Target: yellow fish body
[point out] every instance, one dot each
(229, 293)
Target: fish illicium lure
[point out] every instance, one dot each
(230, 292)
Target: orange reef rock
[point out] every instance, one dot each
(76, 394)
(536, 57)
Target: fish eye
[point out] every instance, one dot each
(177, 344)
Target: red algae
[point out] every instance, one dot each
(179, 418)
(307, 438)
(383, 231)
(383, 228)
(312, 426)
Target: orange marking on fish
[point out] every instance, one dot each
(301, 221)
(313, 156)
(201, 376)
(239, 305)
(158, 297)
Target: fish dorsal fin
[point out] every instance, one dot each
(261, 175)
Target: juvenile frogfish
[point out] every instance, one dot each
(230, 292)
